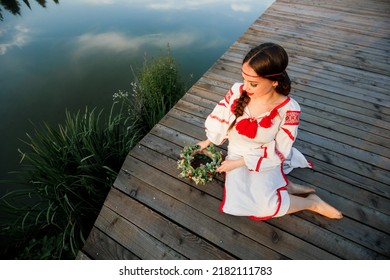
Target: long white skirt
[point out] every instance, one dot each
(260, 195)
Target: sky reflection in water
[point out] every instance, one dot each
(79, 53)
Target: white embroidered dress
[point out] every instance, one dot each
(257, 190)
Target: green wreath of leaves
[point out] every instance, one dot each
(204, 173)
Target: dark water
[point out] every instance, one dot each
(79, 53)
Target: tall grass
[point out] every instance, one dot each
(155, 90)
(68, 169)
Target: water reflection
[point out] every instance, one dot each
(79, 53)
(118, 42)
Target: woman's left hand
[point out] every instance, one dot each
(229, 165)
(204, 144)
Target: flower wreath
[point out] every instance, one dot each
(199, 166)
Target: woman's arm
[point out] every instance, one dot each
(229, 165)
(204, 144)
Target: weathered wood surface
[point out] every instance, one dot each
(339, 64)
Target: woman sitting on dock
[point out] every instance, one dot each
(260, 121)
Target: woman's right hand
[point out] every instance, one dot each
(204, 144)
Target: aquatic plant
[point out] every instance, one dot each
(155, 90)
(68, 171)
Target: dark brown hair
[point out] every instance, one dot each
(269, 61)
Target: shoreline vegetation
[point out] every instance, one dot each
(67, 170)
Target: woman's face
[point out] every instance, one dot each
(254, 85)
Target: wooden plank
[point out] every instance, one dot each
(327, 29)
(137, 241)
(101, 247)
(365, 163)
(371, 8)
(349, 177)
(308, 147)
(375, 82)
(364, 88)
(324, 28)
(346, 248)
(82, 256)
(296, 45)
(348, 125)
(361, 95)
(337, 133)
(179, 239)
(352, 21)
(326, 177)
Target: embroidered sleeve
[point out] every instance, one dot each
(287, 134)
(218, 122)
(275, 152)
(292, 117)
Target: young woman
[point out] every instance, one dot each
(260, 121)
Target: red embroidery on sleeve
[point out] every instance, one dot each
(219, 119)
(288, 132)
(222, 104)
(292, 118)
(228, 96)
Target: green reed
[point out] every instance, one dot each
(68, 171)
(155, 90)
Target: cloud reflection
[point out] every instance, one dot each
(118, 42)
(99, 2)
(242, 7)
(19, 39)
(236, 5)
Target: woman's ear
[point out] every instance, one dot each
(275, 83)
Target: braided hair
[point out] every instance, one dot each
(270, 61)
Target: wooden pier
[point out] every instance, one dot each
(340, 68)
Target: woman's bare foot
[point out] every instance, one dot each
(296, 189)
(323, 208)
